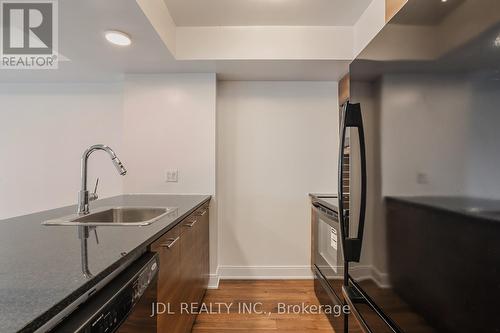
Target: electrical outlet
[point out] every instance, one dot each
(422, 178)
(172, 176)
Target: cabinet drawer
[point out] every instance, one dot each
(168, 240)
(202, 211)
(194, 220)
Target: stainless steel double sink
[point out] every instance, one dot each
(115, 216)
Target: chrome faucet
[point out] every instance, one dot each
(84, 197)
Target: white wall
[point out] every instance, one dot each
(169, 123)
(44, 130)
(276, 142)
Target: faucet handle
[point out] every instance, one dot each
(93, 196)
(96, 237)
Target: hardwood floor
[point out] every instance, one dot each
(267, 296)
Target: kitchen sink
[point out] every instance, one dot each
(116, 216)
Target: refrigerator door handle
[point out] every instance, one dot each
(352, 118)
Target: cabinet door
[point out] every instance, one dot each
(169, 249)
(189, 270)
(184, 271)
(392, 7)
(204, 248)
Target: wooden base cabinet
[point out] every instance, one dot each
(204, 247)
(184, 271)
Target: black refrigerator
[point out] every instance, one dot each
(420, 233)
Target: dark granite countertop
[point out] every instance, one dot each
(479, 208)
(41, 266)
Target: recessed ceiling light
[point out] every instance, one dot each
(118, 38)
(444, 0)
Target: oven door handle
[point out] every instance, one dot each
(352, 118)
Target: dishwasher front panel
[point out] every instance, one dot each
(123, 306)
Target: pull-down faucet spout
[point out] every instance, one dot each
(84, 197)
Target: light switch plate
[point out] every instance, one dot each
(172, 176)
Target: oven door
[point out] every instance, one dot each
(327, 250)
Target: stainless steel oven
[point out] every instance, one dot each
(326, 256)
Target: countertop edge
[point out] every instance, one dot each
(412, 202)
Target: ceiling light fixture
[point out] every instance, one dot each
(118, 38)
(444, 0)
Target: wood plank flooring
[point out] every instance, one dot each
(270, 293)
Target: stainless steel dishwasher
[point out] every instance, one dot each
(123, 306)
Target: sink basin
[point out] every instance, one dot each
(116, 216)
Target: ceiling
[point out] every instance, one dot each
(90, 56)
(92, 59)
(266, 12)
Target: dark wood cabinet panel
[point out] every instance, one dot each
(205, 247)
(195, 259)
(189, 268)
(444, 263)
(344, 89)
(184, 270)
(169, 248)
(392, 7)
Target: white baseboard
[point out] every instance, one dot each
(265, 272)
(213, 280)
(289, 273)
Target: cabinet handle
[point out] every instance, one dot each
(203, 212)
(191, 224)
(171, 243)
